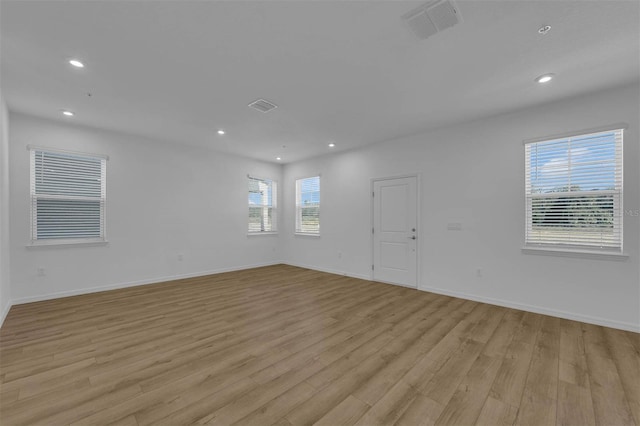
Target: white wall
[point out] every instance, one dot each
(5, 288)
(162, 200)
(166, 199)
(473, 173)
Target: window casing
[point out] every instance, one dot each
(262, 206)
(574, 192)
(308, 206)
(68, 197)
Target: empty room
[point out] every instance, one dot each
(306, 212)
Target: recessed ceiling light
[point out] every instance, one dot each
(545, 78)
(68, 113)
(278, 158)
(221, 132)
(331, 145)
(76, 63)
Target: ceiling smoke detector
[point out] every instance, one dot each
(262, 105)
(544, 29)
(431, 18)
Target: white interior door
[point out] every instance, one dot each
(395, 213)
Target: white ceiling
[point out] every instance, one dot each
(341, 71)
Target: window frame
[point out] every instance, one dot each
(34, 241)
(298, 207)
(572, 249)
(273, 207)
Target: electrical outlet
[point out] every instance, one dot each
(180, 257)
(339, 255)
(479, 273)
(40, 272)
(454, 226)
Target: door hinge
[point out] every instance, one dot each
(372, 267)
(373, 231)
(373, 194)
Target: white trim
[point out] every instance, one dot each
(35, 197)
(5, 311)
(499, 302)
(274, 206)
(568, 240)
(538, 310)
(295, 193)
(67, 243)
(600, 129)
(329, 271)
(65, 151)
(396, 284)
(147, 281)
(250, 176)
(307, 176)
(569, 252)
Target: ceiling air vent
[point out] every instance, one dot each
(431, 18)
(262, 105)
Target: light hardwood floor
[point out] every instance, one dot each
(288, 346)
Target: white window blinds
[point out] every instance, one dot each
(308, 205)
(262, 205)
(574, 191)
(68, 194)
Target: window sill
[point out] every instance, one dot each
(305, 234)
(580, 253)
(252, 234)
(66, 243)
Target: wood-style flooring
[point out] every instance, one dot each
(285, 346)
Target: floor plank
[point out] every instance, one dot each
(610, 402)
(288, 346)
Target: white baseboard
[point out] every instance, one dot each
(504, 303)
(499, 302)
(538, 309)
(155, 280)
(329, 271)
(5, 311)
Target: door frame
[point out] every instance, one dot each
(418, 225)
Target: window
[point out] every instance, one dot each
(574, 192)
(68, 194)
(262, 205)
(308, 205)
